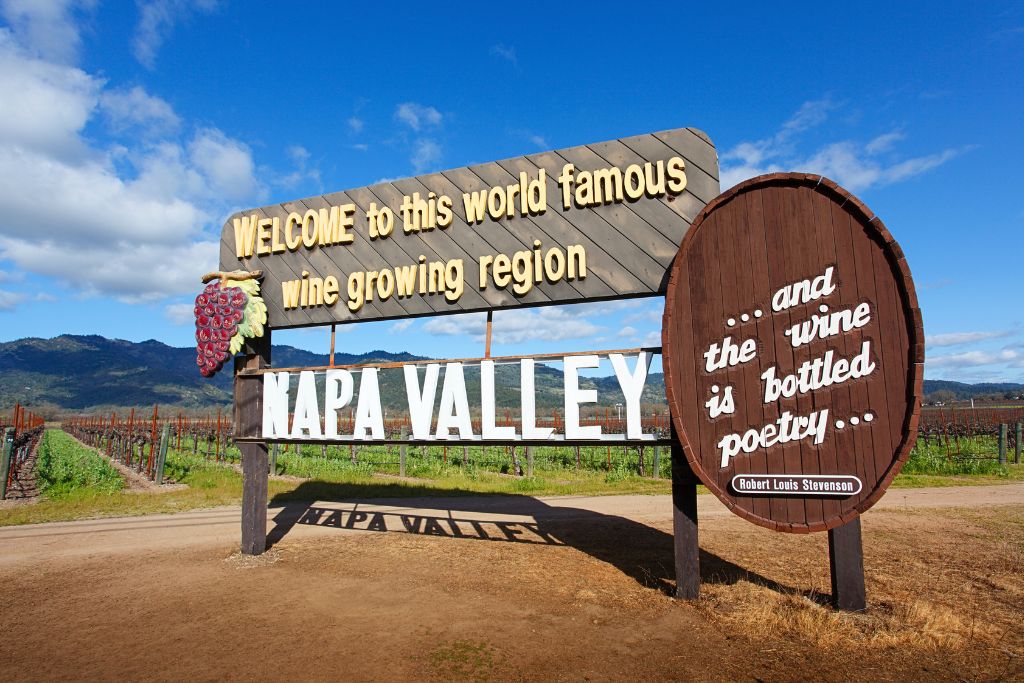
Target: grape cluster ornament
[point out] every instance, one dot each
(228, 311)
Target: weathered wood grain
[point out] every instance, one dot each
(629, 245)
(746, 244)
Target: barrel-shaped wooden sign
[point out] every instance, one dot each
(793, 352)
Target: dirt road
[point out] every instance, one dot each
(512, 588)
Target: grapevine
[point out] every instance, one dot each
(227, 312)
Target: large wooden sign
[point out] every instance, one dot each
(793, 352)
(587, 223)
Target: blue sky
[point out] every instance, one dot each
(129, 131)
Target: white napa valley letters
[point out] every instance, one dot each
(307, 422)
(311, 419)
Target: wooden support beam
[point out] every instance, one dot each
(487, 341)
(684, 524)
(255, 462)
(333, 333)
(6, 450)
(846, 557)
(255, 459)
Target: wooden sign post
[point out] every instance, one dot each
(793, 356)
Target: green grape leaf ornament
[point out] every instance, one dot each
(228, 311)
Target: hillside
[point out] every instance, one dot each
(80, 372)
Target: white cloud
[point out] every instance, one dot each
(156, 21)
(45, 105)
(627, 331)
(132, 220)
(8, 300)
(130, 270)
(883, 143)
(417, 116)
(93, 205)
(402, 325)
(300, 156)
(514, 326)
(226, 163)
(956, 338)
(47, 27)
(137, 110)
(505, 52)
(652, 339)
(355, 124)
(853, 165)
(180, 314)
(651, 316)
(975, 358)
(600, 307)
(426, 154)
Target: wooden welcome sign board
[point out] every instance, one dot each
(588, 223)
(793, 352)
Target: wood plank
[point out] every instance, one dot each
(752, 267)
(662, 214)
(808, 257)
(612, 255)
(592, 285)
(702, 158)
(315, 261)
(671, 227)
(843, 298)
(442, 244)
(645, 252)
(724, 236)
(474, 241)
(661, 245)
(699, 183)
(390, 251)
(777, 213)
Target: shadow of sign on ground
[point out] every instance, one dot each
(642, 552)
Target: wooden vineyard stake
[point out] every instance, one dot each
(1016, 443)
(152, 442)
(1002, 443)
(402, 454)
(161, 458)
(6, 446)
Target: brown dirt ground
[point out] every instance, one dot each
(581, 594)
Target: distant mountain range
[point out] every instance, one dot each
(91, 372)
(87, 372)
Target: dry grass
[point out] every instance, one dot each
(944, 586)
(917, 624)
